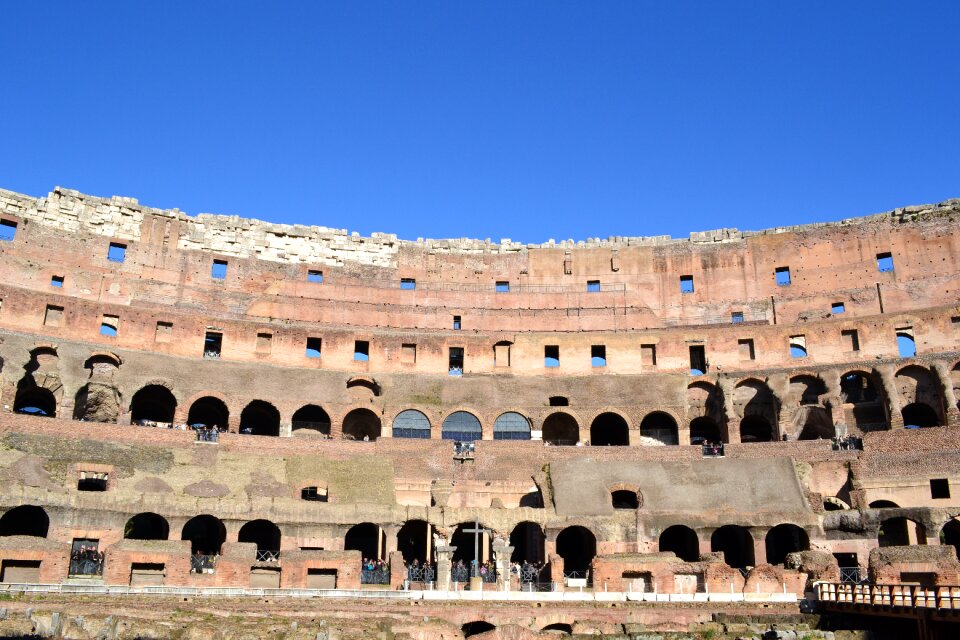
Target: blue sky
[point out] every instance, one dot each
(522, 120)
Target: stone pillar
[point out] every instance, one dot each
(834, 399)
(286, 429)
(780, 388)
(444, 562)
(729, 411)
(942, 370)
(398, 570)
(890, 392)
(759, 535)
(703, 539)
(501, 557)
(556, 569)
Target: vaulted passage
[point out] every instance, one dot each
(209, 411)
(34, 400)
(260, 418)
(950, 535)
(755, 429)
(682, 541)
(660, 427)
(704, 429)
(311, 419)
(471, 545)
(367, 538)
(415, 542)
(919, 416)
(361, 424)
(784, 539)
(527, 540)
(146, 526)
(901, 532)
(609, 430)
(263, 533)
(735, 543)
(561, 429)
(153, 403)
(578, 547)
(25, 520)
(206, 535)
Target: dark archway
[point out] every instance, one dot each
(367, 538)
(476, 628)
(146, 526)
(660, 426)
(704, 429)
(901, 532)
(918, 415)
(153, 403)
(736, 544)
(311, 418)
(35, 401)
(883, 504)
(578, 547)
(260, 418)
(209, 412)
(527, 540)
(625, 500)
(950, 536)
(756, 428)
(263, 533)
(561, 429)
(413, 540)
(681, 541)
(609, 430)
(558, 628)
(206, 535)
(817, 424)
(784, 539)
(25, 520)
(469, 544)
(361, 424)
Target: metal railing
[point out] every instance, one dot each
(852, 575)
(912, 596)
(86, 563)
(200, 563)
(463, 573)
(265, 555)
(421, 573)
(377, 575)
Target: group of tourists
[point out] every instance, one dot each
(200, 563)
(713, 449)
(847, 443)
(86, 560)
(421, 572)
(462, 572)
(374, 571)
(529, 571)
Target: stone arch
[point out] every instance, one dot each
(467, 546)
(918, 415)
(706, 400)
(476, 627)
(753, 397)
(950, 535)
(659, 427)
(609, 429)
(361, 424)
(264, 533)
(705, 429)
(25, 520)
(807, 389)
(210, 411)
(736, 544)
(864, 403)
(883, 504)
(260, 418)
(411, 423)
(561, 428)
(511, 425)
(528, 541)
(153, 403)
(146, 526)
(918, 387)
(311, 418)
(832, 503)
(367, 538)
(901, 531)
(813, 423)
(34, 400)
(756, 428)
(97, 402)
(415, 540)
(783, 539)
(461, 425)
(577, 545)
(681, 541)
(206, 534)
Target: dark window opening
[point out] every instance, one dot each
(745, 348)
(92, 482)
(782, 276)
(8, 230)
(408, 284)
(313, 347)
(56, 281)
(456, 323)
(598, 355)
(361, 350)
(686, 284)
(648, 355)
(698, 360)
(315, 276)
(164, 332)
(551, 356)
(455, 361)
(837, 308)
(313, 494)
(940, 489)
(219, 270)
(559, 401)
(212, 344)
(625, 500)
(117, 252)
(885, 262)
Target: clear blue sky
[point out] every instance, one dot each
(527, 120)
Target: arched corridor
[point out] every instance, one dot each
(784, 539)
(681, 541)
(35, 401)
(146, 526)
(578, 547)
(206, 535)
(260, 418)
(527, 540)
(209, 412)
(25, 520)
(153, 403)
(263, 533)
(609, 430)
(311, 419)
(660, 427)
(415, 542)
(367, 538)
(561, 429)
(361, 424)
(736, 544)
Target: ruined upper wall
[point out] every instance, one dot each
(122, 218)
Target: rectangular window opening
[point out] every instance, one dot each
(315, 276)
(56, 281)
(698, 360)
(940, 488)
(598, 355)
(906, 343)
(837, 308)
(501, 354)
(313, 347)
(798, 346)
(745, 349)
(686, 284)
(92, 481)
(551, 356)
(503, 286)
(593, 286)
(408, 284)
(851, 339)
(408, 353)
(648, 355)
(164, 332)
(117, 252)
(109, 325)
(456, 361)
(219, 270)
(736, 317)
(53, 316)
(456, 323)
(782, 275)
(314, 494)
(884, 262)
(361, 350)
(264, 342)
(8, 230)
(212, 344)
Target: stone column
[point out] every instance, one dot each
(889, 384)
(444, 562)
(759, 535)
(834, 398)
(942, 370)
(780, 387)
(501, 556)
(729, 411)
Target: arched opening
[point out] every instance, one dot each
(361, 424)
(476, 628)
(527, 540)
(558, 628)
(901, 532)
(311, 419)
(411, 424)
(206, 535)
(415, 542)
(470, 545)
(784, 539)
(625, 499)
(461, 426)
(260, 418)
(736, 544)
(577, 546)
(35, 401)
(25, 520)
(704, 429)
(883, 504)
(209, 412)
(511, 426)
(918, 415)
(857, 388)
(146, 526)
(367, 538)
(609, 430)
(153, 403)
(906, 346)
(681, 541)
(661, 427)
(950, 536)
(755, 429)
(265, 535)
(561, 429)
(533, 499)
(831, 503)
(817, 423)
